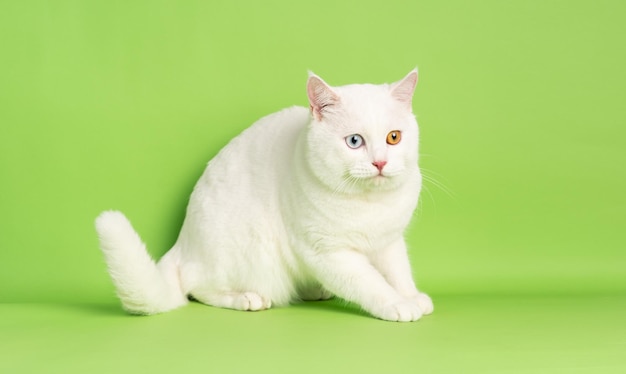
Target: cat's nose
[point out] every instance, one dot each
(379, 165)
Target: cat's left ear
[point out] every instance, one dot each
(321, 96)
(403, 90)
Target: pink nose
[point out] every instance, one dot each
(379, 164)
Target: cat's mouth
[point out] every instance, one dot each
(375, 181)
(386, 179)
(368, 180)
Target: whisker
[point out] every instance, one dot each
(432, 180)
(430, 195)
(346, 183)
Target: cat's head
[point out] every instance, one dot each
(362, 137)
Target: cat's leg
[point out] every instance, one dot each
(350, 275)
(393, 263)
(247, 301)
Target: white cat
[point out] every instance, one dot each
(303, 205)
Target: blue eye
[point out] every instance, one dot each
(354, 141)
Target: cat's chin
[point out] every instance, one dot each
(379, 180)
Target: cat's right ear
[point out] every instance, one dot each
(321, 96)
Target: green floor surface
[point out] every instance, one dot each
(486, 334)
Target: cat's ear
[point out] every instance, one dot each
(403, 90)
(321, 96)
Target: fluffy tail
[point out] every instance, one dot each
(143, 286)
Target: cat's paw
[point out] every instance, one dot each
(400, 311)
(424, 302)
(251, 301)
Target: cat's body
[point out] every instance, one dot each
(303, 205)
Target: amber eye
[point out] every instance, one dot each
(394, 137)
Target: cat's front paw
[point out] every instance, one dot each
(400, 311)
(424, 302)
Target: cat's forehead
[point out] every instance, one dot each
(370, 105)
(356, 94)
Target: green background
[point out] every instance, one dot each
(520, 236)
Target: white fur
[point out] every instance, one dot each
(287, 211)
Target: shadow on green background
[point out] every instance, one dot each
(519, 237)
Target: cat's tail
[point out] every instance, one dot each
(143, 286)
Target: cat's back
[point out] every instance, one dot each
(274, 134)
(253, 163)
(265, 144)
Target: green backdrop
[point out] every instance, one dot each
(519, 237)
